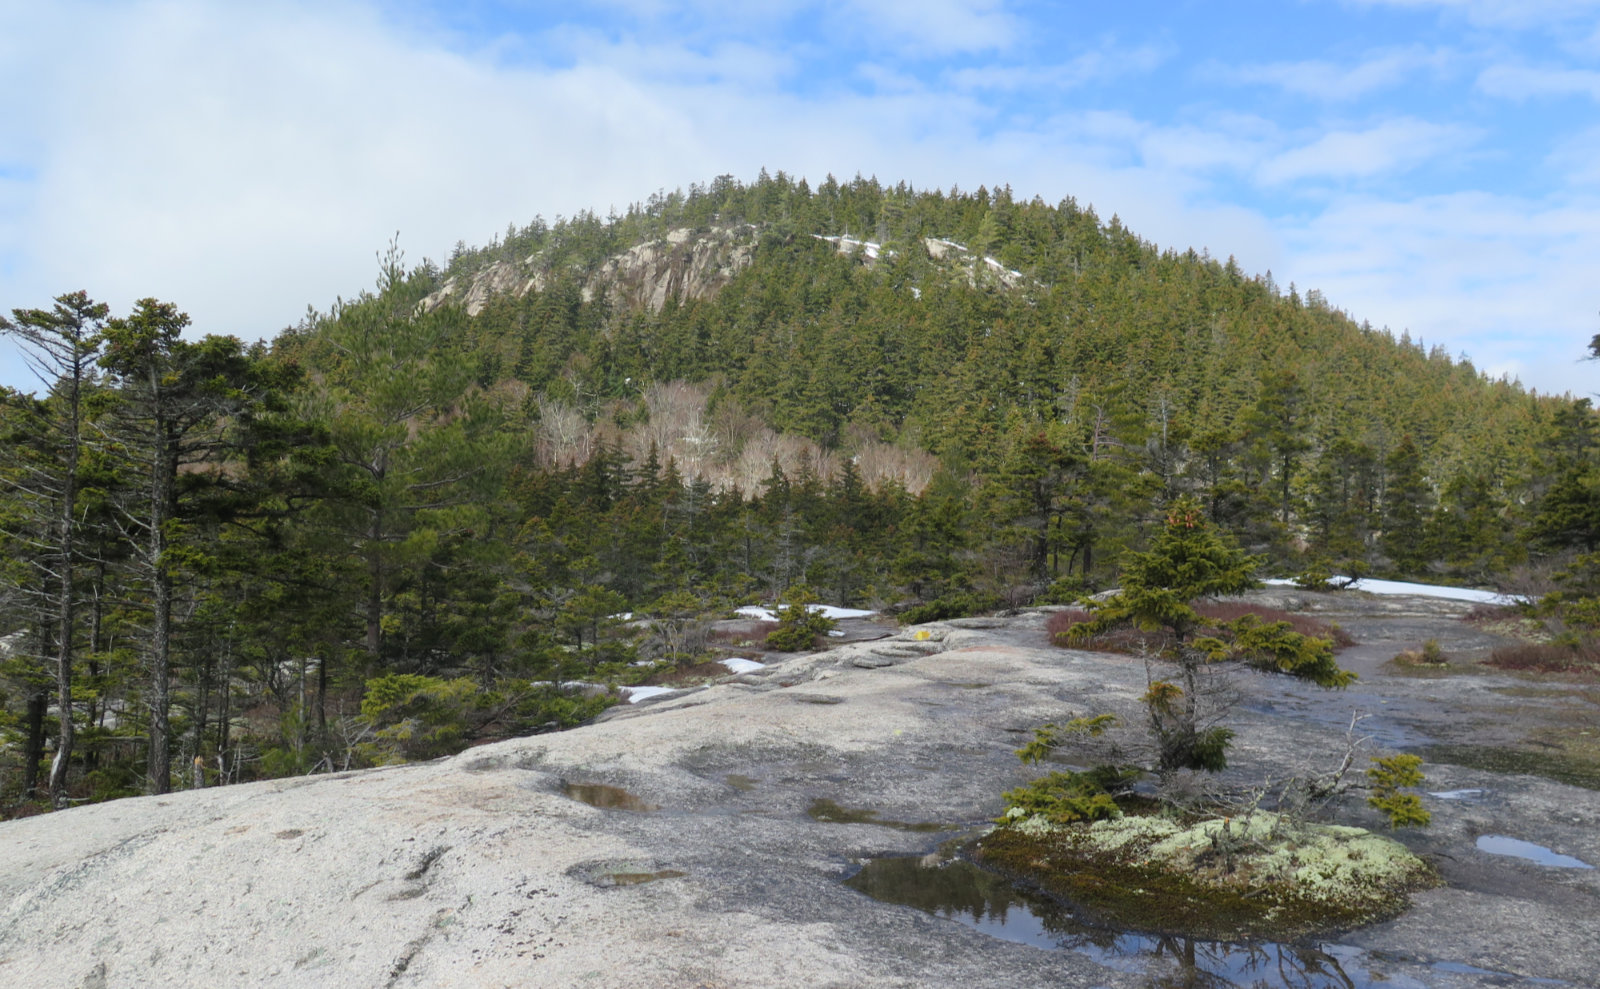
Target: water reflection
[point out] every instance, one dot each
(961, 891)
(606, 797)
(1499, 844)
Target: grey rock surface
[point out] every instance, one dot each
(683, 265)
(482, 870)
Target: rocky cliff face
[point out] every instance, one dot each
(685, 264)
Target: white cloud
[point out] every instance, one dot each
(1522, 81)
(1332, 82)
(1537, 14)
(1577, 158)
(1388, 147)
(935, 26)
(1102, 64)
(1508, 280)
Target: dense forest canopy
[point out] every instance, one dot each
(412, 520)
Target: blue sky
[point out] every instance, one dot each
(1429, 165)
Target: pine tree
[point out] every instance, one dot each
(1188, 560)
(63, 345)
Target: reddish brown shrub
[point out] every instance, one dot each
(1126, 639)
(1483, 613)
(1062, 621)
(1219, 612)
(1546, 657)
(751, 635)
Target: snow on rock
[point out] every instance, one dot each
(637, 694)
(1373, 586)
(828, 611)
(738, 664)
(848, 244)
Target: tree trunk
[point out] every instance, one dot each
(224, 713)
(323, 741)
(374, 590)
(91, 755)
(33, 742)
(163, 470)
(64, 616)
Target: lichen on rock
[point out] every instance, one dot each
(1257, 875)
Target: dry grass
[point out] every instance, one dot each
(689, 676)
(1487, 613)
(1429, 655)
(1214, 613)
(751, 636)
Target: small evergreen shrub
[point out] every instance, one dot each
(1388, 775)
(799, 625)
(963, 605)
(415, 717)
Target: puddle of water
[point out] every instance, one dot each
(1457, 794)
(610, 873)
(825, 810)
(639, 878)
(740, 782)
(957, 890)
(960, 891)
(606, 797)
(1499, 844)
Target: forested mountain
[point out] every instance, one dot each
(409, 519)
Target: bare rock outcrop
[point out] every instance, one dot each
(686, 264)
(670, 843)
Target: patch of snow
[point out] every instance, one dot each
(1374, 586)
(1455, 794)
(637, 694)
(869, 248)
(828, 611)
(738, 664)
(996, 265)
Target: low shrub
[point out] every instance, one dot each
(1487, 613)
(1216, 615)
(748, 637)
(951, 606)
(1429, 655)
(1062, 622)
(799, 628)
(1547, 657)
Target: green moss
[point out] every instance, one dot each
(829, 812)
(1572, 769)
(1223, 879)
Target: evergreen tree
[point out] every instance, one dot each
(62, 346)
